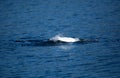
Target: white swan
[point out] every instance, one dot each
(64, 39)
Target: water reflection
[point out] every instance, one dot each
(67, 47)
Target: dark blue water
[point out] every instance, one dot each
(32, 21)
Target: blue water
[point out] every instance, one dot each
(42, 19)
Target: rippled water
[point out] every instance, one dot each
(25, 24)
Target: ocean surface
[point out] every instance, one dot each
(25, 24)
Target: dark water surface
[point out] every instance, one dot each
(30, 21)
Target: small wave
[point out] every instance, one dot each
(54, 41)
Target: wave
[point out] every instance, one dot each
(54, 41)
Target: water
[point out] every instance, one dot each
(43, 19)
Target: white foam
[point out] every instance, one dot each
(64, 39)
